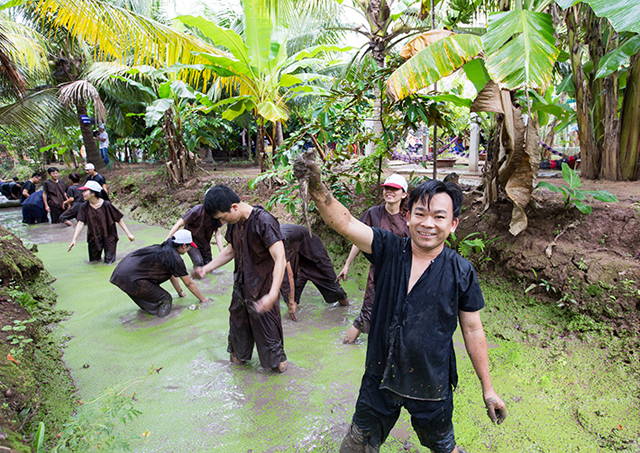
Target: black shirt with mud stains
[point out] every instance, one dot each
(250, 241)
(148, 263)
(100, 222)
(201, 225)
(411, 336)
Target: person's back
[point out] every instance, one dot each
(33, 209)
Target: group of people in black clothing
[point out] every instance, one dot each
(417, 292)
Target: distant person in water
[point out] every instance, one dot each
(74, 200)
(29, 186)
(307, 260)
(202, 227)
(101, 218)
(54, 196)
(11, 190)
(93, 175)
(140, 274)
(390, 216)
(33, 209)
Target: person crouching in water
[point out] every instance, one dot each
(140, 274)
(101, 218)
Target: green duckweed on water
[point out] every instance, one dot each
(563, 392)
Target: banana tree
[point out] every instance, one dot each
(261, 75)
(519, 52)
(605, 55)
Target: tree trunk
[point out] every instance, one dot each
(278, 136)
(178, 154)
(90, 146)
(629, 127)
(588, 152)
(260, 145)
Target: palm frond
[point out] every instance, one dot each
(36, 115)
(118, 34)
(83, 92)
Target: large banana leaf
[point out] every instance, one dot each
(624, 15)
(257, 34)
(220, 36)
(432, 63)
(526, 58)
(617, 57)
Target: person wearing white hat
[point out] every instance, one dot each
(140, 274)
(390, 216)
(101, 218)
(93, 175)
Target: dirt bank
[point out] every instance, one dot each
(35, 385)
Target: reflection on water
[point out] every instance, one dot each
(42, 233)
(11, 219)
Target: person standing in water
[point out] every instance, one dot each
(101, 218)
(390, 216)
(74, 200)
(54, 195)
(140, 274)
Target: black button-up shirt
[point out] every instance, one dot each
(411, 337)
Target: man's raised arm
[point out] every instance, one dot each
(334, 213)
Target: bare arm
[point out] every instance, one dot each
(76, 233)
(334, 213)
(126, 230)
(176, 285)
(267, 301)
(219, 240)
(68, 201)
(223, 258)
(476, 345)
(104, 187)
(193, 288)
(175, 228)
(44, 198)
(352, 256)
(292, 304)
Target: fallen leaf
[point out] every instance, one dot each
(10, 358)
(619, 427)
(147, 433)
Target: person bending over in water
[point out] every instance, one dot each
(140, 274)
(101, 218)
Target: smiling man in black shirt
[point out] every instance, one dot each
(422, 290)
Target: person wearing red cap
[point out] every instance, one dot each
(390, 216)
(140, 274)
(101, 218)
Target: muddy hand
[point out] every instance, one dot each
(292, 310)
(305, 169)
(496, 409)
(198, 273)
(73, 243)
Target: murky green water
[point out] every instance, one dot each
(568, 396)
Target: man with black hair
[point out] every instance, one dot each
(54, 195)
(255, 244)
(29, 186)
(422, 290)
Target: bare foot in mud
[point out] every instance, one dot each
(234, 359)
(351, 336)
(282, 367)
(344, 302)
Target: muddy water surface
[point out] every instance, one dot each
(563, 394)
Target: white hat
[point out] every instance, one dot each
(89, 167)
(396, 181)
(91, 185)
(183, 237)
